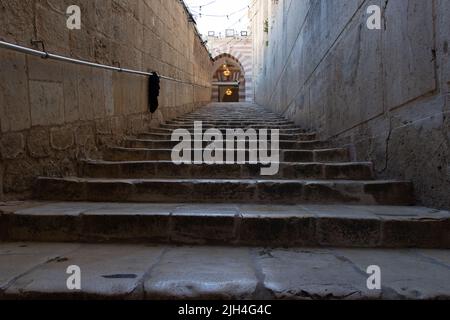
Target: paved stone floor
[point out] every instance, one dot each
(109, 271)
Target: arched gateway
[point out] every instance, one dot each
(228, 79)
(233, 71)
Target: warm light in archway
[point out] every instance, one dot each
(227, 73)
(229, 92)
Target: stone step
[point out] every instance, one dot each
(216, 123)
(229, 115)
(229, 224)
(224, 130)
(167, 169)
(231, 119)
(122, 271)
(209, 125)
(291, 137)
(143, 154)
(218, 190)
(164, 144)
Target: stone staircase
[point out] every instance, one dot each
(322, 220)
(320, 197)
(142, 171)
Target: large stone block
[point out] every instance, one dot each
(14, 103)
(357, 78)
(46, 103)
(38, 143)
(16, 22)
(62, 139)
(408, 51)
(199, 278)
(45, 69)
(112, 272)
(405, 274)
(319, 275)
(71, 96)
(27, 257)
(12, 145)
(443, 38)
(2, 170)
(20, 174)
(51, 27)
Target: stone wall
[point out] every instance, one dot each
(383, 92)
(53, 113)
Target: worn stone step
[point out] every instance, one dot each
(227, 116)
(167, 169)
(231, 125)
(217, 123)
(237, 120)
(221, 190)
(164, 144)
(292, 137)
(232, 273)
(142, 154)
(225, 130)
(229, 224)
(122, 271)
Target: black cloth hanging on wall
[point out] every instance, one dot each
(153, 92)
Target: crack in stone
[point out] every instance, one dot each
(140, 286)
(261, 291)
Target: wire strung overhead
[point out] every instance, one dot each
(220, 15)
(250, 21)
(204, 5)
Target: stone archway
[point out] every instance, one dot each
(235, 80)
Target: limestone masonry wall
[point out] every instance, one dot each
(53, 113)
(383, 92)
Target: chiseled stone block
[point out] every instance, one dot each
(38, 143)
(62, 139)
(206, 273)
(46, 103)
(108, 271)
(14, 102)
(12, 145)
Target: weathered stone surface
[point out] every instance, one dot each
(62, 139)
(311, 274)
(279, 228)
(404, 275)
(12, 145)
(20, 174)
(260, 225)
(32, 270)
(17, 259)
(108, 272)
(240, 191)
(49, 94)
(46, 103)
(202, 273)
(39, 143)
(2, 170)
(380, 92)
(410, 74)
(14, 106)
(45, 70)
(347, 225)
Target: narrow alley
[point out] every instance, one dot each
(149, 153)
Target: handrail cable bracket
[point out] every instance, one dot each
(42, 43)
